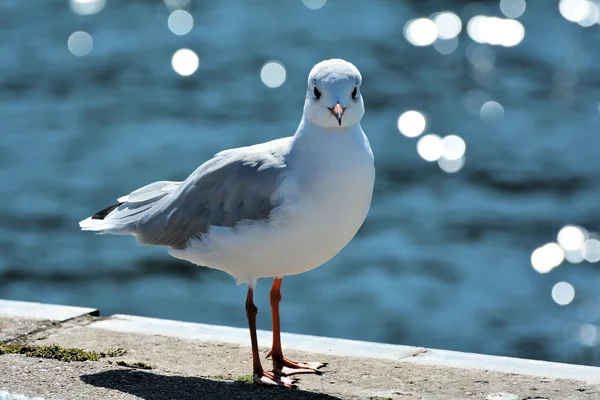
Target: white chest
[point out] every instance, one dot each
(334, 204)
(326, 203)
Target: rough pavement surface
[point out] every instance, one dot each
(191, 369)
(14, 327)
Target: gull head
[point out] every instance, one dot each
(333, 98)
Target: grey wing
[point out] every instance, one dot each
(150, 192)
(234, 186)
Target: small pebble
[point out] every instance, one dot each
(502, 396)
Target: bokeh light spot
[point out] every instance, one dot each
(512, 8)
(185, 62)
(180, 22)
(592, 15)
(273, 74)
(454, 147)
(591, 250)
(430, 147)
(80, 43)
(574, 256)
(495, 31)
(421, 32)
(588, 334)
(411, 123)
(491, 111)
(451, 166)
(448, 25)
(446, 46)
(314, 4)
(583, 12)
(571, 237)
(563, 293)
(547, 257)
(87, 7)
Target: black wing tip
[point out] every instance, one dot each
(103, 213)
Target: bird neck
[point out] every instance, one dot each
(307, 128)
(314, 139)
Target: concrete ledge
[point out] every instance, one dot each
(40, 311)
(185, 360)
(351, 348)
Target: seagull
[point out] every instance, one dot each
(273, 209)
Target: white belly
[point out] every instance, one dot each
(307, 230)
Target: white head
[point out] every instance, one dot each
(333, 98)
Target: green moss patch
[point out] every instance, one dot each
(116, 352)
(244, 379)
(54, 351)
(57, 352)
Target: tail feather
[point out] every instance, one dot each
(96, 222)
(103, 213)
(118, 219)
(121, 218)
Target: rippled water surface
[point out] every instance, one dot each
(443, 259)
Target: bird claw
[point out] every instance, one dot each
(287, 367)
(270, 379)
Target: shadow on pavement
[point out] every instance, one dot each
(150, 386)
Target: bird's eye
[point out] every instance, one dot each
(355, 92)
(316, 92)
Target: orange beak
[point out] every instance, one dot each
(337, 112)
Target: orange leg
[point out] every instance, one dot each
(282, 365)
(260, 375)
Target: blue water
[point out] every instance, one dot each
(443, 259)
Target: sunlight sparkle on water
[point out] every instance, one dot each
(451, 166)
(421, 32)
(571, 237)
(448, 24)
(491, 111)
(454, 147)
(411, 123)
(314, 4)
(430, 147)
(574, 256)
(446, 46)
(495, 31)
(583, 12)
(273, 74)
(563, 293)
(80, 43)
(512, 8)
(180, 22)
(591, 250)
(87, 7)
(588, 334)
(449, 152)
(547, 257)
(185, 62)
